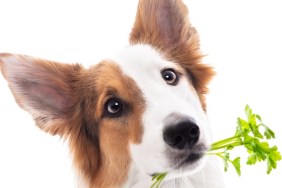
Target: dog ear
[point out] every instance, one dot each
(43, 88)
(164, 24)
(161, 23)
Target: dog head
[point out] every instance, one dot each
(144, 107)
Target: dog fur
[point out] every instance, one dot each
(108, 151)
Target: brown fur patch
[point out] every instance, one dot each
(69, 100)
(164, 24)
(100, 144)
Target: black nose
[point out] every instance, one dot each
(181, 135)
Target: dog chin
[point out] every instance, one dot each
(192, 164)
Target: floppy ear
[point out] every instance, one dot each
(43, 88)
(164, 24)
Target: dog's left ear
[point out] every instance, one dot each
(164, 24)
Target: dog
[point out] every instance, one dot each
(130, 117)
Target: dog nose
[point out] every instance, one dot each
(181, 135)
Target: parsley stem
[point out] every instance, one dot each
(226, 141)
(227, 145)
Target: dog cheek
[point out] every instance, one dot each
(136, 131)
(113, 136)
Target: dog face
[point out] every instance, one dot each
(173, 122)
(143, 107)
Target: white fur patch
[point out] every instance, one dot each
(144, 64)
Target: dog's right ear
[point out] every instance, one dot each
(44, 88)
(164, 25)
(161, 23)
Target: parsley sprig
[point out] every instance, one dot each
(157, 180)
(252, 134)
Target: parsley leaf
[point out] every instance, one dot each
(248, 134)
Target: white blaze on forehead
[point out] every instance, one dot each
(144, 65)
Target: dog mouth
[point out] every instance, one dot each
(190, 159)
(184, 162)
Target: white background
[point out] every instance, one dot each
(242, 40)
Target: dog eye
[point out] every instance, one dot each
(114, 107)
(170, 76)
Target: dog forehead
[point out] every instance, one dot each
(107, 78)
(143, 63)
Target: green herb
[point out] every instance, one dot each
(253, 135)
(157, 180)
